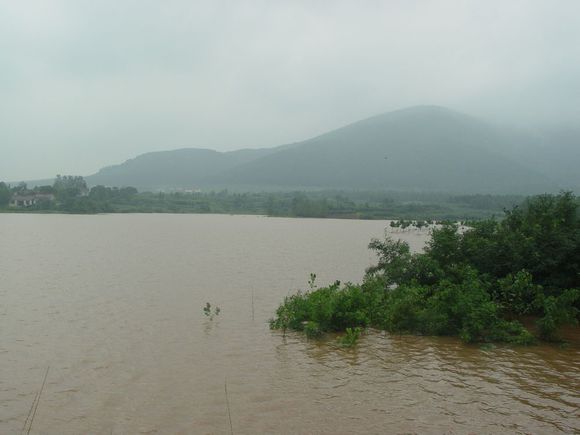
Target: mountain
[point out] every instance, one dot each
(186, 167)
(424, 148)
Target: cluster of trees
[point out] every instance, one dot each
(71, 195)
(102, 193)
(21, 189)
(69, 186)
(475, 284)
(64, 188)
(98, 199)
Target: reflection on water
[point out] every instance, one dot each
(113, 304)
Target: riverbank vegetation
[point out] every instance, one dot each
(71, 195)
(473, 283)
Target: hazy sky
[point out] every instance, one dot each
(84, 84)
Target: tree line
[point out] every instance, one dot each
(72, 195)
(68, 194)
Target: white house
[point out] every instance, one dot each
(24, 201)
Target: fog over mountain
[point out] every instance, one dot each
(85, 84)
(423, 148)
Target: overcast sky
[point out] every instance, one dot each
(85, 84)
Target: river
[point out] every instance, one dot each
(110, 309)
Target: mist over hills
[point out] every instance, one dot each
(555, 152)
(424, 148)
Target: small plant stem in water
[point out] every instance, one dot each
(35, 405)
(228, 406)
(29, 412)
(252, 303)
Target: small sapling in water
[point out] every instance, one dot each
(207, 310)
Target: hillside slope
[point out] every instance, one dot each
(422, 148)
(187, 167)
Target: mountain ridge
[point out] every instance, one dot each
(410, 149)
(420, 148)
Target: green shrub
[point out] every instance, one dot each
(403, 309)
(312, 330)
(351, 336)
(331, 308)
(516, 292)
(558, 311)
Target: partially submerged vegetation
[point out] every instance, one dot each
(209, 312)
(474, 284)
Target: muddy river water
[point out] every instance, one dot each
(110, 308)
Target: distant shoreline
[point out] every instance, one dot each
(354, 205)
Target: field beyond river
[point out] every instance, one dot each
(110, 307)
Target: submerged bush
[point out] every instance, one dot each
(330, 308)
(468, 284)
(558, 311)
(462, 309)
(350, 338)
(312, 329)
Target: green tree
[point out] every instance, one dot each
(4, 194)
(69, 186)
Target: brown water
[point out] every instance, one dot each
(113, 305)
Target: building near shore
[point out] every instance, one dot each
(25, 201)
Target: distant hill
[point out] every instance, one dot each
(425, 148)
(188, 167)
(422, 148)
